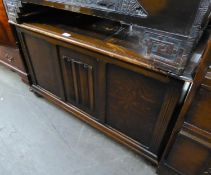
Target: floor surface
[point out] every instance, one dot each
(37, 138)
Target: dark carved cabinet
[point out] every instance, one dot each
(189, 151)
(189, 156)
(129, 103)
(133, 69)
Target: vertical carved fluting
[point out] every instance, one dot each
(81, 76)
(75, 83)
(91, 87)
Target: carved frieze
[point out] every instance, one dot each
(162, 47)
(12, 8)
(163, 37)
(132, 7)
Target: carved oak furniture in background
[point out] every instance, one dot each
(9, 53)
(118, 65)
(189, 151)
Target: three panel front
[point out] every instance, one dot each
(134, 103)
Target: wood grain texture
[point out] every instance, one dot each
(6, 35)
(45, 65)
(79, 79)
(9, 54)
(126, 102)
(136, 108)
(10, 57)
(182, 159)
(199, 114)
(171, 99)
(189, 151)
(98, 46)
(132, 102)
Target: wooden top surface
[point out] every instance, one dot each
(103, 36)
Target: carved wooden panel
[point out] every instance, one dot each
(138, 106)
(189, 156)
(78, 72)
(43, 58)
(199, 114)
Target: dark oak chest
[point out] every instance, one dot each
(124, 67)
